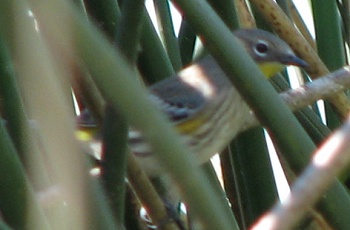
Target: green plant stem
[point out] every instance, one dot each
(187, 41)
(113, 167)
(344, 8)
(210, 173)
(40, 79)
(227, 11)
(106, 13)
(18, 123)
(114, 131)
(154, 63)
(129, 29)
(253, 174)
(19, 206)
(330, 45)
(167, 32)
(230, 186)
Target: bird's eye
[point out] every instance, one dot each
(261, 48)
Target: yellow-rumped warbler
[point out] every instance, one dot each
(204, 106)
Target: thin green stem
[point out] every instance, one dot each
(19, 206)
(330, 45)
(167, 32)
(187, 40)
(154, 63)
(253, 173)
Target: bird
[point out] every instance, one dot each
(204, 106)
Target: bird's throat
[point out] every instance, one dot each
(271, 68)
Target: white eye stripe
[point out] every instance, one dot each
(261, 48)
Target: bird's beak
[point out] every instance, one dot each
(294, 60)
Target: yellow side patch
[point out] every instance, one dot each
(190, 125)
(85, 134)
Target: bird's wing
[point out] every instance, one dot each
(177, 99)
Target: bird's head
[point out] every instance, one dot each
(271, 53)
